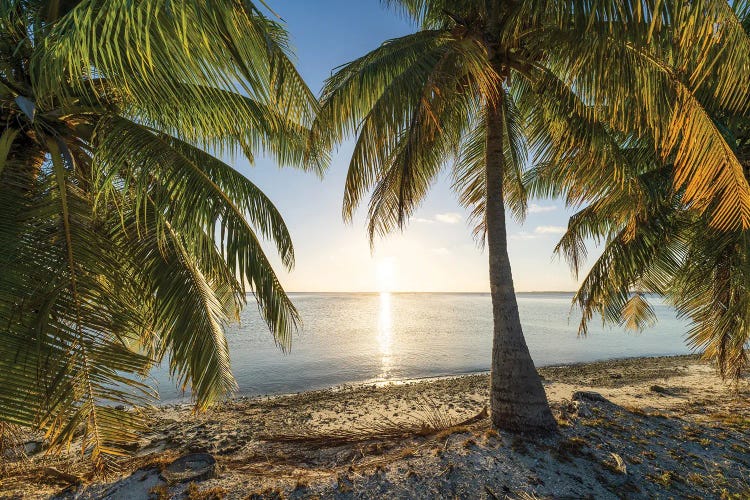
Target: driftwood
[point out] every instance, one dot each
(424, 425)
(51, 475)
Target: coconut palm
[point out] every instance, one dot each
(124, 241)
(484, 81)
(656, 242)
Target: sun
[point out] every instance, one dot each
(386, 274)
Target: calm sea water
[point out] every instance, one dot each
(350, 338)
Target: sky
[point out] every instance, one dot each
(436, 251)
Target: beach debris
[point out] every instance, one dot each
(588, 396)
(131, 446)
(432, 420)
(661, 390)
(33, 447)
(580, 402)
(191, 467)
(617, 465)
(51, 475)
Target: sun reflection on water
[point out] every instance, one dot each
(385, 335)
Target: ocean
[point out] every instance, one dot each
(350, 338)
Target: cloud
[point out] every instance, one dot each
(444, 218)
(448, 218)
(440, 251)
(523, 235)
(538, 209)
(539, 232)
(550, 230)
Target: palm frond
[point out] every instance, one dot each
(125, 243)
(194, 59)
(469, 172)
(61, 367)
(670, 108)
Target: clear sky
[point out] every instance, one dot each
(436, 251)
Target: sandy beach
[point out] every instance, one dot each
(636, 428)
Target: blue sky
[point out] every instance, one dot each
(436, 251)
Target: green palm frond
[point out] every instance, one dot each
(148, 50)
(403, 100)
(713, 293)
(665, 248)
(469, 174)
(67, 355)
(606, 289)
(431, 134)
(637, 313)
(660, 231)
(670, 108)
(191, 309)
(126, 242)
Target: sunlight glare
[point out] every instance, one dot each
(386, 275)
(385, 334)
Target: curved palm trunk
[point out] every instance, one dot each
(517, 399)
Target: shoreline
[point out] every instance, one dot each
(659, 426)
(430, 378)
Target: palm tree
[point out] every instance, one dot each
(124, 241)
(484, 81)
(656, 242)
